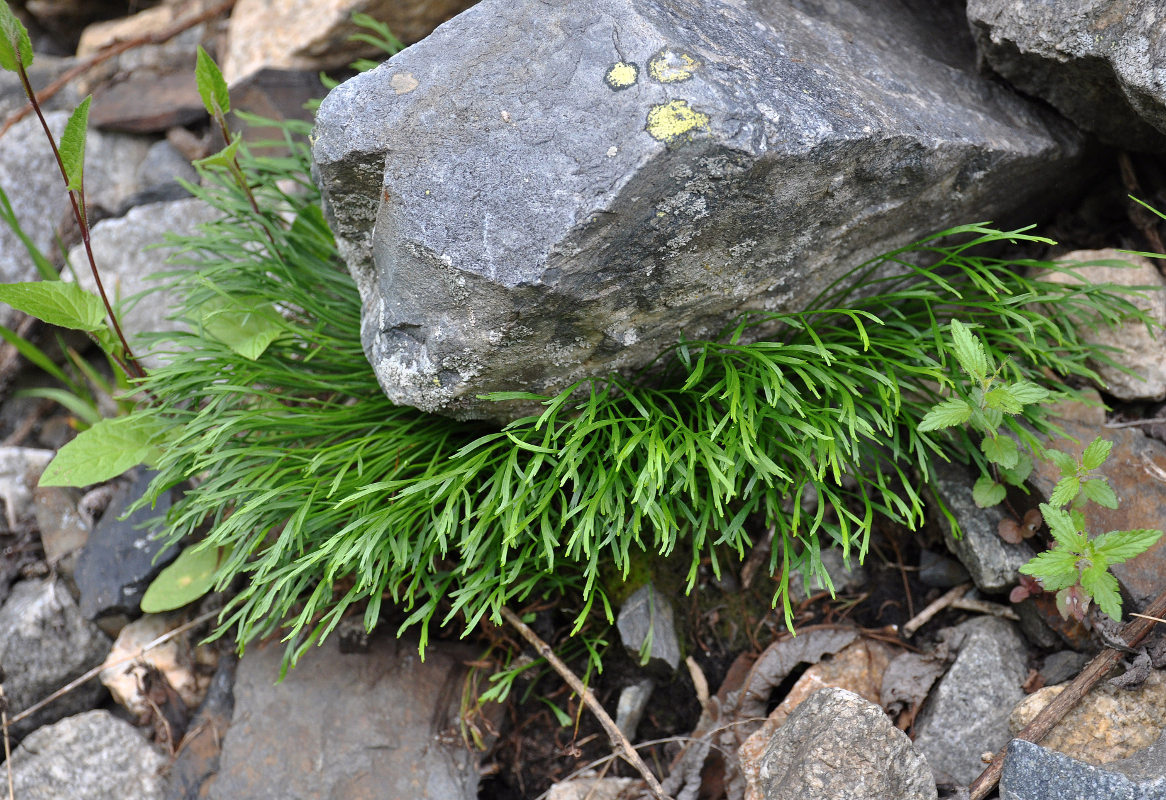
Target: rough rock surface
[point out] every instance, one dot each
(1136, 469)
(648, 619)
(364, 726)
(1033, 773)
(1099, 62)
(94, 756)
(569, 186)
(313, 34)
(44, 644)
(1107, 725)
(20, 469)
(993, 563)
(838, 745)
(121, 557)
(197, 763)
(125, 250)
(967, 713)
(1138, 349)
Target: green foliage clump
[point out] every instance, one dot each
(1077, 566)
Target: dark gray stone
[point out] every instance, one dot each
(647, 620)
(967, 713)
(633, 701)
(164, 164)
(44, 70)
(44, 644)
(122, 556)
(94, 756)
(362, 726)
(993, 563)
(1033, 773)
(840, 746)
(1061, 666)
(939, 571)
(1099, 62)
(560, 189)
(198, 761)
(846, 575)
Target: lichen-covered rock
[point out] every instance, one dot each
(1099, 62)
(560, 189)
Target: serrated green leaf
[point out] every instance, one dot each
(1065, 462)
(994, 417)
(1119, 546)
(1018, 474)
(72, 145)
(1002, 400)
(1065, 490)
(102, 452)
(65, 305)
(1000, 450)
(15, 46)
(987, 492)
(212, 88)
(953, 411)
(1062, 528)
(1027, 392)
(1055, 569)
(247, 325)
(1096, 453)
(969, 351)
(188, 578)
(1100, 492)
(1100, 584)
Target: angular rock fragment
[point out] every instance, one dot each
(1033, 773)
(647, 628)
(1098, 62)
(540, 193)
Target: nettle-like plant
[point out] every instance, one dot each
(1077, 566)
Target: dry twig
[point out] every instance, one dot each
(924, 616)
(618, 740)
(1050, 715)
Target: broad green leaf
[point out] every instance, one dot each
(15, 46)
(65, 305)
(187, 579)
(1101, 585)
(245, 324)
(1119, 546)
(1027, 392)
(224, 158)
(212, 88)
(1001, 450)
(1018, 474)
(987, 492)
(1055, 569)
(1065, 462)
(995, 418)
(969, 351)
(1065, 490)
(103, 452)
(1100, 492)
(1062, 528)
(1001, 399)
(953, 411)
(1096, 453)
(72, 146)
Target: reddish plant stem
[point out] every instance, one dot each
(131, 364)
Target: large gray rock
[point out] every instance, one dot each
(837, 745)
(94, 755)
(967, 713)
(559, 189)
(1099, 62)
(44, 644)
(1033, 773)
(375, 724)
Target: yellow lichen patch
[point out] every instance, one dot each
(667, 121)
(622, 75)
(669, 66)
(403, 82)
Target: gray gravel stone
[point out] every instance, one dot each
(365, 725)
(1033, 773)
(967, 713)
(838, 746)
(1099, 62)
(94, 756)
(993, 563)
(569, 186)
(647, 618)
(44, 644)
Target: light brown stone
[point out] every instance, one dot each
(1108, 724)
(857, 668)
